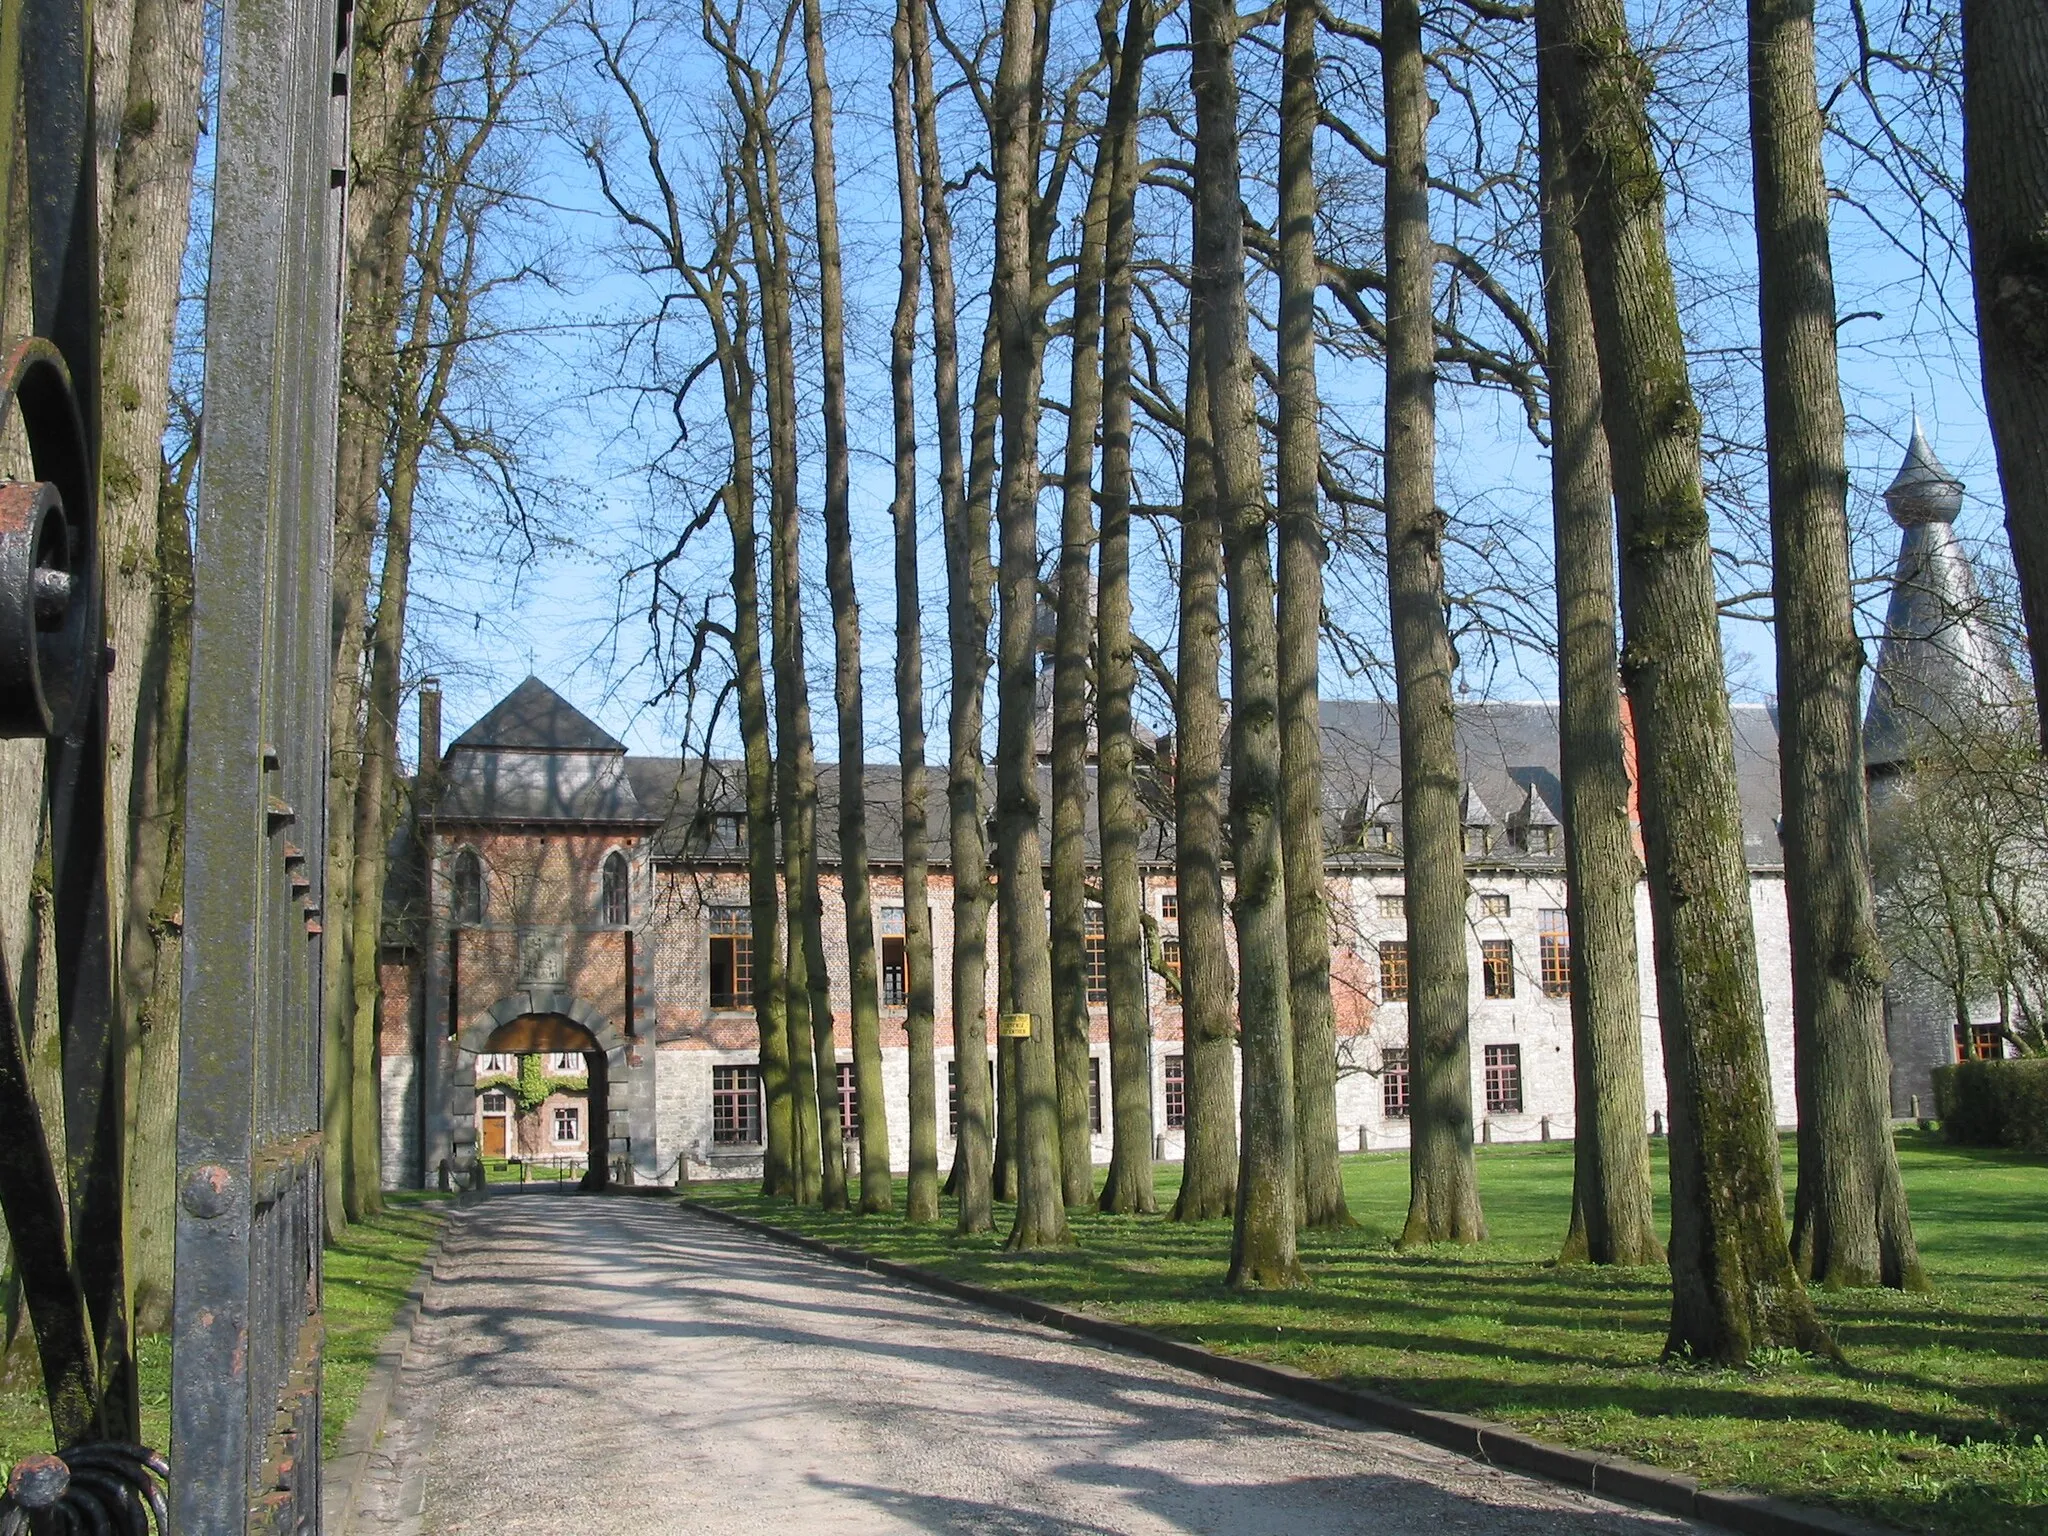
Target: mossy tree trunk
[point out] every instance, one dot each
(1073, 626)
(1321, 1177)
(148, 186)
(921, 1201)
(1443, 1184)
(1119, 817)
(877, 1188)
(1020, 868)
(1262, 1249)
(1850, 1224)
(1734, 1288)
(1208, 1176)
(1611, 1220)
(964, 516)
(399, 54)
(152, 939)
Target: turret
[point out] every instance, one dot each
(1939, 665)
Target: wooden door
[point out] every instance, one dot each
(494, 1135)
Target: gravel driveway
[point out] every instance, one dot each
(619, 1366)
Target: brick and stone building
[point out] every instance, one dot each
(557, 894)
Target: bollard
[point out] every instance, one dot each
(1546, 1127)
(447, 1176)
(1656, 1122)
(1158, 1149)
(1915, 1102)
(1486, 1132)
(1364, 1145)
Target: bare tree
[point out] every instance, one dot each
(1734, 1288)
(1208, 1177)
(1041, 1214)
(877, 1190)
(1072, 626)
(921, 1202)
(964, 515)
(1850, 1224)
(1300, 635)
(1443, 1201)
(1262, 1250)
(1119, 816)
(1611, 1220)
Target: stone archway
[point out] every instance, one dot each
(543, 1020)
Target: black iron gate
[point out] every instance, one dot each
(244, 1452)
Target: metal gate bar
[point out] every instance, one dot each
(245, 1407)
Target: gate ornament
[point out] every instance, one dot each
(110, 1488)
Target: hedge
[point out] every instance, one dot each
(1995, 1103)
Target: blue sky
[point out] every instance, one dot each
(565, 615)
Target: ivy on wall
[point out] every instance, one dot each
(531, 1085)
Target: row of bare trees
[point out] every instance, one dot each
(1235, 467)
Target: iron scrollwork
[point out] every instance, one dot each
(100, 1489)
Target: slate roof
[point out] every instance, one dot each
(535, 757)
(535, 718)
(1508, 753)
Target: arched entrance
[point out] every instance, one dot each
(540, 1022)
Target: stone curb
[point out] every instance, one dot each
(342, 1475)
(1611, 1477)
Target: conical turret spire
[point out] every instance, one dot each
(1939, 667)
(1923, 491)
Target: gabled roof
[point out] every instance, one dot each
(535, 718)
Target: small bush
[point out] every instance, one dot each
(1994, 1103)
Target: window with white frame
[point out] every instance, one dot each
(568, 1124)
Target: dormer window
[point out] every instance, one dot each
(1478, 840)
(467, 892)
(1379, 837)
(1542, 839)
(618, 901)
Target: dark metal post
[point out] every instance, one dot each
(245, 1411)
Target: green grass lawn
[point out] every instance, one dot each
(367, 1277)
(1937, 1422)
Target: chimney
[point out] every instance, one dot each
(430, 736)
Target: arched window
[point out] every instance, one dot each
(469, 887)
(618, 901)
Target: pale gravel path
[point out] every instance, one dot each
(621, 1367)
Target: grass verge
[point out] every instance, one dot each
(367, 1277)
(1937, 1423)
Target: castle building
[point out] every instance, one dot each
(557, 897)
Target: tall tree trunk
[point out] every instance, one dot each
(2005, 198)
(1119, 817)
(398, 59)
(148, 215)
(1734, 1287)
(152, 946)
(877, 1189)
(964, 513)
(921, 1202)
(1020, 866)
(1072, 625)
(1262, 1248)
(1208, 1174)
(783, 1148)
(812, 1050)
(1300, 633)
(1443, 1184)
(1611, 1221)
(1850, 1225)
